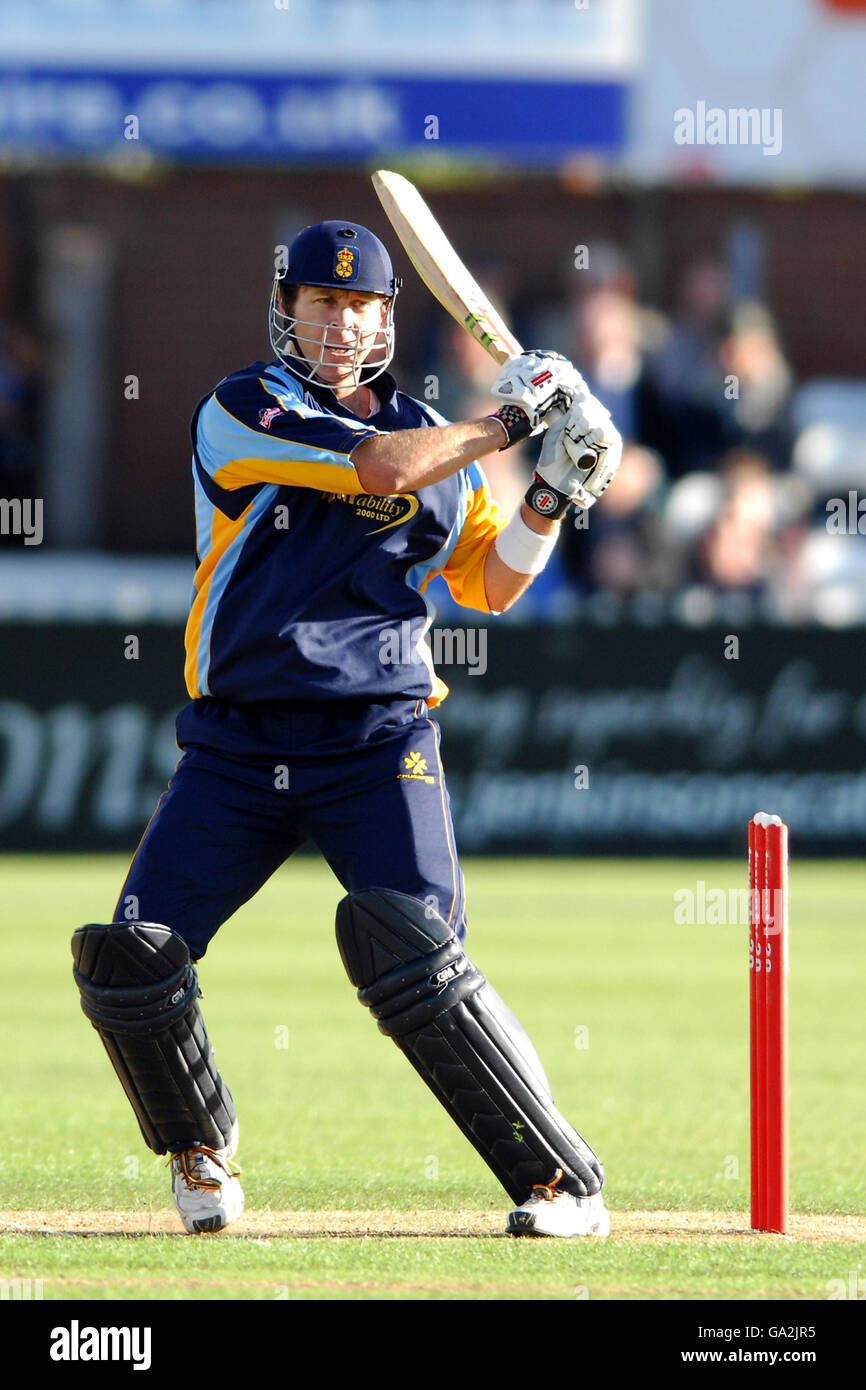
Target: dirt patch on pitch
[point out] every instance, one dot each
(642, 1226)
(719, 1225)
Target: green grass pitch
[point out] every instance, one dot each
(357, 1184)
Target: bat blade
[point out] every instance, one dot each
(440, 267)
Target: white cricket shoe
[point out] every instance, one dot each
(551, 1213)
(206, 1186)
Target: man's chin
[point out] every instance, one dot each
(338, 377)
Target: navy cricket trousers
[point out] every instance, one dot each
(363, 782)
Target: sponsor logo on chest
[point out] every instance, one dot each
(384, 511)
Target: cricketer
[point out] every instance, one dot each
(326, 500)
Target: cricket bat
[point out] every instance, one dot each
(442, 270)
(440, 267)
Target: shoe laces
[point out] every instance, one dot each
(195, 1157)
(545, 1190)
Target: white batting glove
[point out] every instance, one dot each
(579, 458)
(530, 386)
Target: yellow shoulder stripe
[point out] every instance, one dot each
(323, 477)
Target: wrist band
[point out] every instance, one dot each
(546, 500)
(522, 549)
(515, 422)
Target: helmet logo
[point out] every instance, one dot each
(346, 263)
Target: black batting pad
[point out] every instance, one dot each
(140, 991)
(412, 972)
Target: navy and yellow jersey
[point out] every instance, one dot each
(307, 587)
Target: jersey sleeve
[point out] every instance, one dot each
(464, 570)
(254, 431)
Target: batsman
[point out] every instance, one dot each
(325, 502)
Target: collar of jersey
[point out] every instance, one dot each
(385, 390)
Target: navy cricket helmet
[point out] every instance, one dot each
(340, 256)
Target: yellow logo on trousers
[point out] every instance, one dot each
(416, 768)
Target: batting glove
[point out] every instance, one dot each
(579, 458)
(530, 386)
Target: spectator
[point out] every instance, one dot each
(685, 372)
(622, 547)
(751, 359)
(741, 547)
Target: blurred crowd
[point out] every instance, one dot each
(739, 486)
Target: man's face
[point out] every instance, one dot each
(333, 324)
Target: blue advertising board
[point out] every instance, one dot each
(241, 116)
